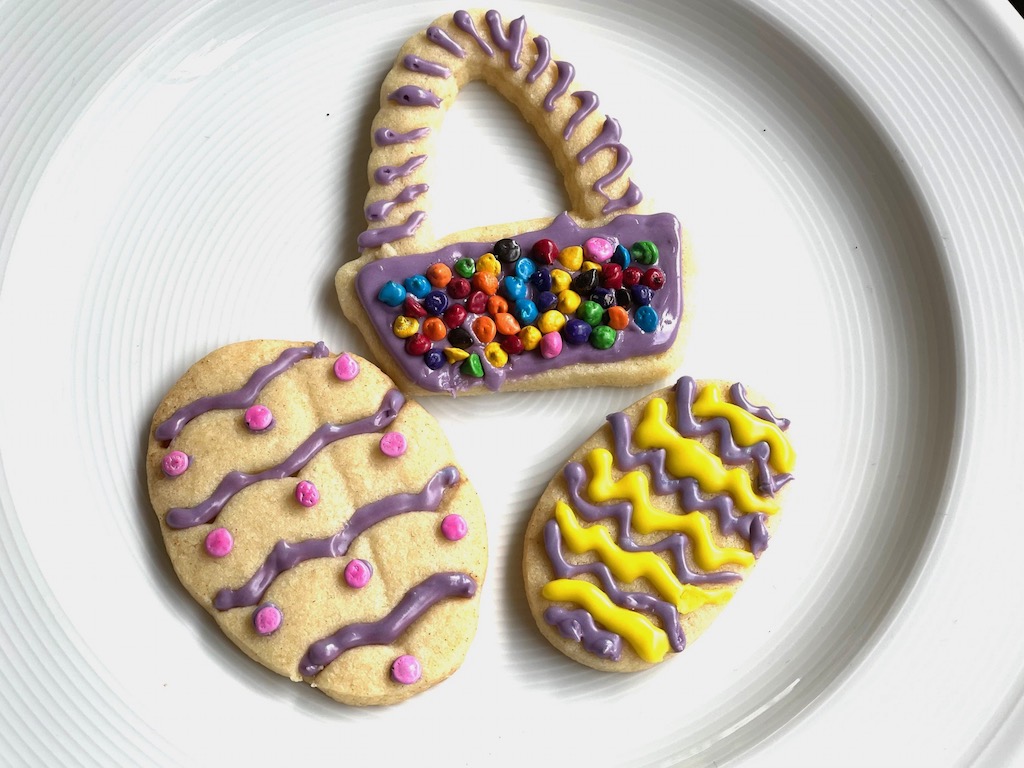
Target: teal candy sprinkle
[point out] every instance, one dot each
(392, 294)
(646, 318)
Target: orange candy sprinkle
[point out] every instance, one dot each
(484, 329)
(506, 324)
(618, 318)
(439, 275)
(486, 282)
(496, 305)
(434, 328)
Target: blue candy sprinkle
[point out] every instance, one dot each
(646, 318)
(526, 311)
(524, 268)
(513, 288)
(622, 256)
(642, 295)
(435, 302)
(576, 331)
(391, 294)
(546, 300)
(541, 279)
(434, 359)
(417, 285)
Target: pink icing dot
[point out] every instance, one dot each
(358, 573)
(346, 368)
(267, 619)
(219, 542)
(393, 444)
(598, 249)
(307, 494)
(258, 418)
(406, 669)
(551, 345)
(454, 527)
(175, 463)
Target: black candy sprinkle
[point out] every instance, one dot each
(459, 337)
(507, 250)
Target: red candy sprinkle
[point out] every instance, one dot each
(631, 276)
(654, 278)
(611, 275)
(513, 345)
(411, 307)
(545, 251)
(477, 302)
(417, 344)
(455, 315)
(458, 288)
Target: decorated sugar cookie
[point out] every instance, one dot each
(320, 517)
(651, 526)
(590, 297)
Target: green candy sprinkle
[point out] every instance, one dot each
(645, 252)
(466, 267)
(590, 312)
(603, 337)
(472, 366)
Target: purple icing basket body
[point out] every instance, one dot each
(398, 244)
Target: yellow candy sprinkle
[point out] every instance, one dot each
(404, 327)
(588, 265)
(487, 263)
(560, 280)
(571, 257)
(455, 355)
(495, 355)
(568, 301)
(530, 336)
(551, 321)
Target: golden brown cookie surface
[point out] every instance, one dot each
(639, 542)
(320, 517)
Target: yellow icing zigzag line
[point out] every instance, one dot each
(747, 428)
(630, 566)
(649, 642)
(635, 487)
(689, 458)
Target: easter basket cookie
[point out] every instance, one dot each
(591, 297)
(637, 545)
(320, 517)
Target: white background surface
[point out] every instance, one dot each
(177, 176)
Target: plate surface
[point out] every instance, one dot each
(185, 175)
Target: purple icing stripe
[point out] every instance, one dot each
(385, 137)
(206, 511)
(622, 513)
(588, 103)
(688, 426)
(566, 73)
(286, 555)
(543, 58)
(512, 43)
(378, 211)
(439, 37)
(388, 173)
(631, 197)
(374, 238)
(414, 96)
(424, 67)
(608, 138)
(739, 396)
(577, 624)
(415, 602)
(634, 601)
(240, 398)
(465, 22)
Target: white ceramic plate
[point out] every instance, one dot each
(177, 176)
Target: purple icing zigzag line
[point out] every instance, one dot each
(286, 555)
(240, 398)
(233, 482)
(634, 601)
(577, 624)
(687, 425)
(751, 527)
(622, 512)
(739, 397)
(414, 604)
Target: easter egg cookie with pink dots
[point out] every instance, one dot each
(320, 517)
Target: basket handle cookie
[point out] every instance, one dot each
(418, 92)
